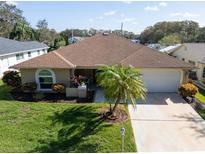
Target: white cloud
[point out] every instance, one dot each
(11, 3)
(110, 13)
(185, 15)
(135, 23)
(162, 4)
(127, 2)
(151, 8)
(90, 20)
(100, 17)
(122, 15)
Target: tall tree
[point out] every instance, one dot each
(49, 36)
(9, 16)
(22, 31)
(44, 34)
(42, 24)
(121, 84)
(187, 31)
(170, 40)
(201, 35)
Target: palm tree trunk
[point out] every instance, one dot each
(110, 107)
(116, 104)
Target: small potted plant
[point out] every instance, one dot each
(58, 88)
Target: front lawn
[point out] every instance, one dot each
(46, 127)
(201, 95)
(201, 113)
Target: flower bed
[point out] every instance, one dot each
(51, 97)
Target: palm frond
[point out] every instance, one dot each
(124, 81)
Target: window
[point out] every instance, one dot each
(38, 52)
(29, 54)
(45, 79)
(44, 51)
(203, 73)
(19, 56)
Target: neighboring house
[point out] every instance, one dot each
(193, 53)
(170, 48)
(160, 72)
(75, 39)
(136, 41)
(13, 52)
(156, 46)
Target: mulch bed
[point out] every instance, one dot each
(51, 97)
(120, 115)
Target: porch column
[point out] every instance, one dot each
(72, 72)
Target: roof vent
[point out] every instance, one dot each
(105, 33)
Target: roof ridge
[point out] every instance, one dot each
(65, 60)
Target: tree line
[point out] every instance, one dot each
(14, 26)
(173, 32)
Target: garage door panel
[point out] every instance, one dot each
(161, 80)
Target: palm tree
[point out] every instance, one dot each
(121, 84)
(22, 31)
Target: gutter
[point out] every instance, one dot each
(175, 49)
(23, 51)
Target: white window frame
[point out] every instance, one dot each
(44, 51)
(19, 56)
(29, 54)
(38, 82)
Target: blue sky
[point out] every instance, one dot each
(136, 16)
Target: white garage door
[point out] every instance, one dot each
(161, 80)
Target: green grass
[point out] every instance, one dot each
(201, 113)
(44, 127)
(201, 95)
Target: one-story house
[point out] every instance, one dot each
(160, 72)
(193, 53)
(13, 52)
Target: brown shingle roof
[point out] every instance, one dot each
(50, 60)
(100, 49)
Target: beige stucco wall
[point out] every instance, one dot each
(183, 52)
(62, 75)
(200, 71)
(187, 54)
(151, 76)
(27, 75)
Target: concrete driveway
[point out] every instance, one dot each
(165, 123)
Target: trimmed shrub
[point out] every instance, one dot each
(29, 87)
(39, 96)
(188, 90)
(58, 87)
(12, 78)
